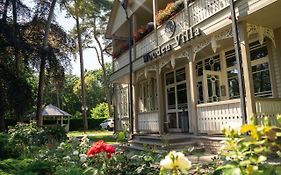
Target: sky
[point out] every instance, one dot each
(90, 58)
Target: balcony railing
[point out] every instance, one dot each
(202, 9)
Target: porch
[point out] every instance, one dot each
(213, 117)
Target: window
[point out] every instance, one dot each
(148, 95)
(176, 89)
(260, 71)
(124, 101)
(212, 64)
(232, 74)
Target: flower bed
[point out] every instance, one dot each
(245, 152)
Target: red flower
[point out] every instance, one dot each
(99, 147)
(109, 149)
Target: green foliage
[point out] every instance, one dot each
(25, 167)
(72, 170)
(27, 136)
(37, 168)
(55, 134)
(7, 148)
(13, 166)
(124, 163)
(100, 111)
(246, 151)
(77, 124)
(21, 39)
(68, 157)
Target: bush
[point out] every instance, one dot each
(77, 124)
(13, 166)
(25, 135)
(55, 134)
(7, 148)
(72, 170)
(37, 168)
(249, 150)
(100, 111)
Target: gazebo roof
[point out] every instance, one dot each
(51, 110)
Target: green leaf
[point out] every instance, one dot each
(245, 163)
(232, 171)
(259, 149)
(227, 166)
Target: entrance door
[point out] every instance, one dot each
(212, 86)
(176, 101)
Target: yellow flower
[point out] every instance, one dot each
(176, 161)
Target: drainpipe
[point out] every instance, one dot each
(239, 62)
(124, 4)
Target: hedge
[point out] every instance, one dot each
(75, 124)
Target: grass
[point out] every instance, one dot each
(94, 136)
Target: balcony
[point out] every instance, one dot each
(198, 11)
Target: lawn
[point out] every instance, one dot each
(94, 136)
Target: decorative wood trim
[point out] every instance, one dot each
(262, 32)
(162, 64)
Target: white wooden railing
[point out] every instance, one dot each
(146, 45)
(269, 107)
(148, 122)
(213, 117)
(202, 9)
(121, 61)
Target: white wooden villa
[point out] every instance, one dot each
(184, 71)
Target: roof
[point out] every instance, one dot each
(51, 110)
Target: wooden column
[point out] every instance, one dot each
(247, 70)
(136, 103)
(135, 83)
(193, 97)
(161, 100)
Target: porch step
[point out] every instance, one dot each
(146, 144)
(201, 143)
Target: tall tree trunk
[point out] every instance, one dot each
(15, 33)
(5, 11)
(16, 48)
(101, 61)
(106, 84)
(84, 105)
(58, 97)
(42, 65)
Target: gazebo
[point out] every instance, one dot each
(53, 112)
